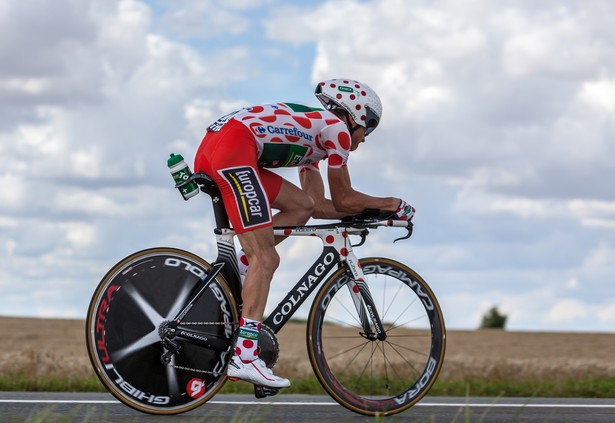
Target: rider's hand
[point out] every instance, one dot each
(405, 211)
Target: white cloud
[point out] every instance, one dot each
(498, 127)
(199, 111)
(12, 190)
(80, 234)
(479, 202)
(572, 284)
(595, 213)
(9, 246)
(87, 163)
(600, 94)
(564, 47)
(567, 311)
(600, 261)
(189, 19)
(607, 314)
(506, 91)
(85, 138)
(135, 84)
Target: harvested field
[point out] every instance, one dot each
(48, 347)
(497, 355)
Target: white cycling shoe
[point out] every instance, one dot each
(255, 372)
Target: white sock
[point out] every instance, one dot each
(246, 346)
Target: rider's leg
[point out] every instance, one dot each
(230, 158)
(259, 245)
(295, 208)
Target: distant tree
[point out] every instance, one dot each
(493, 319)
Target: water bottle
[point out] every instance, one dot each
(181, 172)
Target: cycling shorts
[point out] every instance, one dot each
(229, 157)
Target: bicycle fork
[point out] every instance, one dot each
(359, 291)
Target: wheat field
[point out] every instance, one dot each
(54, 347)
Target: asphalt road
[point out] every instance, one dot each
(88, 407)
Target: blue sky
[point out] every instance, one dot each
(499, 127)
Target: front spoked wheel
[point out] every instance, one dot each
(127, 329)
(365, 374)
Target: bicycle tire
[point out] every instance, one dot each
(123, 342)
(377, 377)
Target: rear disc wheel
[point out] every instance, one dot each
(128, 312)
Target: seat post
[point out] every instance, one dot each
(209, 187)
(220, 214)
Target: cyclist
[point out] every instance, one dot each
(236, 152)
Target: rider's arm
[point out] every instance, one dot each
(345, 200)
(312, 184)
(348, 201)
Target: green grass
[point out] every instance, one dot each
(591, 387)
(50, 415)
(50, 384)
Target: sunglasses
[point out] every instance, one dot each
(371, 122)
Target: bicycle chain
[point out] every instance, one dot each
(190, 369)
(209, 323)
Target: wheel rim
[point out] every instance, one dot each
(369, 375)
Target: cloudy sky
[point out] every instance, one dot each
(499, 127)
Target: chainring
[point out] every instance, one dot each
(269, 346)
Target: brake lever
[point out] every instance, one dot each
(408, 235)
(364, 234)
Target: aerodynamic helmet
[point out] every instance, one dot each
(357, 98)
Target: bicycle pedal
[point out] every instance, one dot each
(264, 391)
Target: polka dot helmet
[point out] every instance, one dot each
(355, 97)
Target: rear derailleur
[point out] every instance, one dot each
(167, 331)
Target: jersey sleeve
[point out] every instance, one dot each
(336, 142)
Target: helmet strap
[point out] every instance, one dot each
(353, 129)
(344, 115)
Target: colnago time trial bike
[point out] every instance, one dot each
(161, 323)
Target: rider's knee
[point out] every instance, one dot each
(273, 258)
(305, 207)
(310, 205)
(266, 258)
